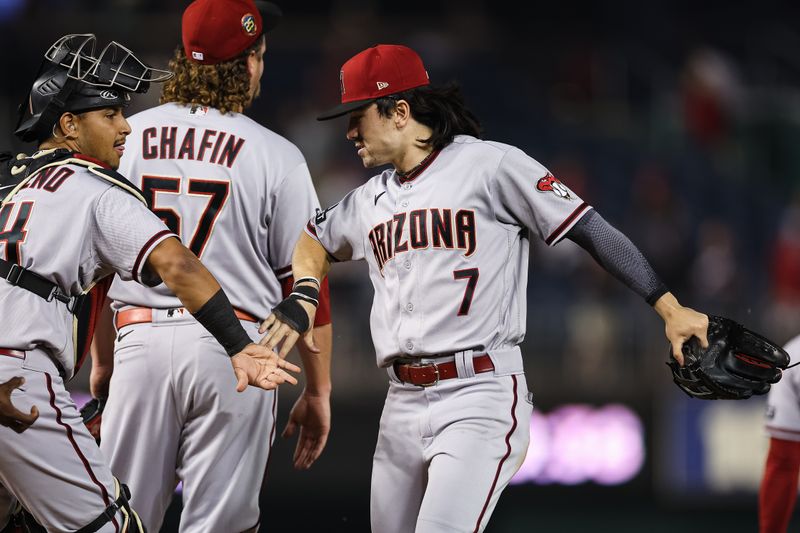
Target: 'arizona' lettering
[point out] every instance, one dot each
(421, 229)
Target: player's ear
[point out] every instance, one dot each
(67, 123)
(402, 112)
(256, 56)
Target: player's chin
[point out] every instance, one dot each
(368, 161)
(113, 159)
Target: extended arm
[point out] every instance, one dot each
(620, 257)
(200, 293)
(310, 259)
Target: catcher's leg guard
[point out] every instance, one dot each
(130, 520)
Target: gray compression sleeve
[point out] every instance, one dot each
(618, 255)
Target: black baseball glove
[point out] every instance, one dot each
(737, 364)
(92, 414)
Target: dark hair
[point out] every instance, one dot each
(224, 86)
(442, 109)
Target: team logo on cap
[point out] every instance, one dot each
(249, 24)
(109, 95)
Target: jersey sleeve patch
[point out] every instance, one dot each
(550, 183)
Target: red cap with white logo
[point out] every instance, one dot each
(380, 71)
(218, 30)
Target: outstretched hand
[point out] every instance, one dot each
(10, 416)
(261, 367)
(311, 416)
(280, 332)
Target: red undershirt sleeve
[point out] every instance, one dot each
(323, 316)
(776, 499)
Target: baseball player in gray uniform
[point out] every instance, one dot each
(445, 233)
(778, 494)
(69, 221)
(239, 195)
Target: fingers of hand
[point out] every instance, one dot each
(19, 427)
(279, 376)
(289, 430)
(275, 335)
(308, 338)
(283, 363)
(310, 452)
(266, 323)
(241, 379)
(15, 382)
(677, 353)
(291, 339)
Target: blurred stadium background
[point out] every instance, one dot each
(678, 121)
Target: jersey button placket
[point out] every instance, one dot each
(406, 281)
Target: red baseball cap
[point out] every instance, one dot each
(218, 30)
(377, 72)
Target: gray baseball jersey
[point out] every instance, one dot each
(108, 231)
(239, 195)
(448, 250)
(73, 227)
(783, 401)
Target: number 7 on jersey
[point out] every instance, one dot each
(471, 275)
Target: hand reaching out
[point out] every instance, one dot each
(10, 416)
(261, 367)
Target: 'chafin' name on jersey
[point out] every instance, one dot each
(172, 142)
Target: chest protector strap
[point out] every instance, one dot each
(85, 307)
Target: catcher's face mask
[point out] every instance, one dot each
(74, 78)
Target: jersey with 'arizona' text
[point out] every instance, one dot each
(447, 246)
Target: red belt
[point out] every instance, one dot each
(12, 353)
(142, 315)
(427, 374)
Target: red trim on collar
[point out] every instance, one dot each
(93, 160)
(411, 176)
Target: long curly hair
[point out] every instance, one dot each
(224, 86)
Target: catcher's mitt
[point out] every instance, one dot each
(92, 414)
(737, 363)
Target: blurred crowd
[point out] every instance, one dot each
(678, 126)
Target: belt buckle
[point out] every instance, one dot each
(14, 274)
(435, 373)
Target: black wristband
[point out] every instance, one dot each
(307, 293)
(304, 279)
(218, 317)
(292, 314)
(657, 293)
